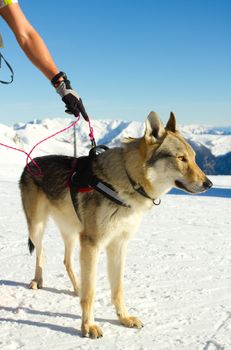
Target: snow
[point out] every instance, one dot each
(178, 279)
(217, 139)
(221, 181)
(178, 271)
(218, 144)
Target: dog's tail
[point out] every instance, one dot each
(31, 246)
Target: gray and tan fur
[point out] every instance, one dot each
(158, 161)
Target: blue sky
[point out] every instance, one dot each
(126, 58)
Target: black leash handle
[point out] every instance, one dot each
(9, 67)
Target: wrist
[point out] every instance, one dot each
(57, 79)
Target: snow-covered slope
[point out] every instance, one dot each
(108, 132)
(218, 140)
(212, 144)
(177, 280)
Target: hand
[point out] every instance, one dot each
(73, 102)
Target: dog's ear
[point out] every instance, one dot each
(171, 124)
(154, 128)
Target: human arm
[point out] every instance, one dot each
(37, 52)
(29, 40)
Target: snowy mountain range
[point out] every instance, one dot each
(212, 144)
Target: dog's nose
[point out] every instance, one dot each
(207, 184)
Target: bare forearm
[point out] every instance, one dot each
(36, 50)
(29, 40)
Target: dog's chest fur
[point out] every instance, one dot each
(105, 221)
(123, 222)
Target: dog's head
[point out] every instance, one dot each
(169, 160)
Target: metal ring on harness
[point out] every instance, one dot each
(98, 150)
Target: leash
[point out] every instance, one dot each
(39, 170)
(95, 183)
(9, 67)
(91, 134)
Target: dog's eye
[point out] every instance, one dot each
(182, 158)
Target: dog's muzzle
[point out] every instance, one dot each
(194, 188)
(207, 184)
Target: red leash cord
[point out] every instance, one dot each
(40, 172)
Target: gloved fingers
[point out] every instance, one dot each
(71, 103)
(68, 111)
(72, 100)
(82, 110)
(76, 109)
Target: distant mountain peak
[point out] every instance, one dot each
(213, 144)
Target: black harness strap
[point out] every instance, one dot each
(73, 192)
(80, 178)
(73, 187)
(9, 67)
(83, 180)
(108, 191)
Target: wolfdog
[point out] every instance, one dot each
(139, 172)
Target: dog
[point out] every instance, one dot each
(140, 172)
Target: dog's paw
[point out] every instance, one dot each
(34, 284)
(131, 322)
(93, 331)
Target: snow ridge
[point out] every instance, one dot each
(215, 140)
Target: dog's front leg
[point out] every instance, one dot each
(89, 254)
(116, 253)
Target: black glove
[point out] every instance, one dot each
(73, 102)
